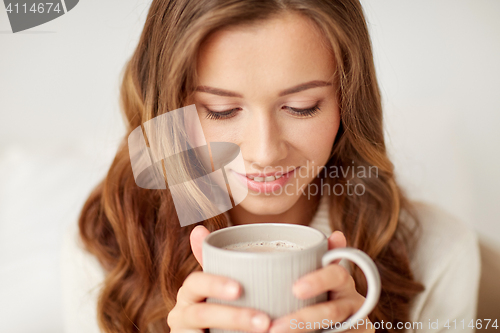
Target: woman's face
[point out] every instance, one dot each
(267, 89)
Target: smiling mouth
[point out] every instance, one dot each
(266, 178)
(264, 183)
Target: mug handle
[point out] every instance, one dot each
(366, 264)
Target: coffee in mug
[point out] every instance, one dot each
(264, 246)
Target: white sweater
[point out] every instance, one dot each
(446, 260)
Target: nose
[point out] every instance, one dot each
(263, 142)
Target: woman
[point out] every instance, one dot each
(293, 84)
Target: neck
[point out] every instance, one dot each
(302, 212)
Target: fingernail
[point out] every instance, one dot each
(302, 289)
(278, 327)
(232, 288)
(260, 321)
(200, 226)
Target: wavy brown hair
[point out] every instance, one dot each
(135, 233)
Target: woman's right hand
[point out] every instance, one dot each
(192, 313)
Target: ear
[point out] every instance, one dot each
(196, 239)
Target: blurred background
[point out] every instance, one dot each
(438, 68)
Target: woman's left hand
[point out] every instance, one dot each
(343, 302)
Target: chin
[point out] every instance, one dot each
(267, 205)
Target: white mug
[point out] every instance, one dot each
(267, 277)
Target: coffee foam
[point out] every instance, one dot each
(264, 246)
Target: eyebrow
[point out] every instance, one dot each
(292, 90)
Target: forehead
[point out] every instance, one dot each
(275, 53)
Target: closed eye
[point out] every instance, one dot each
(227, 114)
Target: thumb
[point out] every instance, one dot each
(196, 238)
(335, 241)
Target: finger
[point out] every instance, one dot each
(330, 278)
(196, 238)
(174, 322)
(336, 240)
(323, 314)
(198, 286)
(209, 315)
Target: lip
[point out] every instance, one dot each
(277, 173)
(264, 187)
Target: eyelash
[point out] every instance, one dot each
(303, 113)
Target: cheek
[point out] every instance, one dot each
(314, 138)
(217, 132)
